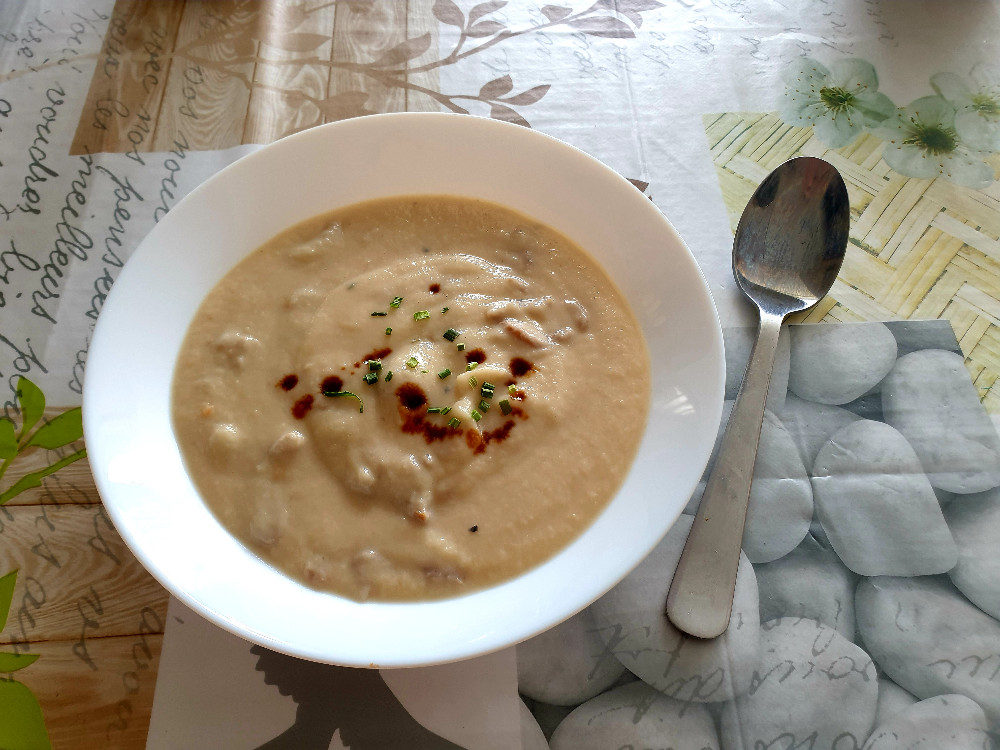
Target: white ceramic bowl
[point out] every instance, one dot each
(137, 464)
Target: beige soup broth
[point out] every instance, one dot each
(411, 398)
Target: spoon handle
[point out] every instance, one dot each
(700, 601)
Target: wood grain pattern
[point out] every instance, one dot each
(218, 74)
(84, 604)
(77, 580)
(289, 91)
(72, 484)
(918, 248)
(208, 88)
(420, 20)
(123, 102)
(106, 708)
(362, 33)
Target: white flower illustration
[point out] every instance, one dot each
(921, 141)
(840, 102)
(977, 108)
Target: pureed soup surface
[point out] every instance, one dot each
(411, 398)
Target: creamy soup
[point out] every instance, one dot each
(411, 398)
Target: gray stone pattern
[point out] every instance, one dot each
(868, 593)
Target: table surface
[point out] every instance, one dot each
(124, 106)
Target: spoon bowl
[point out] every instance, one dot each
(792, 236)
(789, 247)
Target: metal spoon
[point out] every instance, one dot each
(789, 247)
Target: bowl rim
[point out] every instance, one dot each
(103, 359)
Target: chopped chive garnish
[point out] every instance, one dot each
(424, 372)
(505, 407)
(444, 373)
(511, 389)
(454, 422)
(421, 315)
(378, 314)
(388, 376)
(388, 331)
(374, 365)
(371, 378)
(476, 415)
(484, 405)
(396, 302)
(444, 309)
(335, 394)
(472, 381)
(487, 391)
(438, 409)
(471, 366)
(451, 334)
(460, 346)
(412, 362)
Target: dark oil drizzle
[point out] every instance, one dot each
(301, 407)
(500, 433)
(331, 384)
(477, 441)
(519, 367)
(377, 354)
(413, 410)
(411, 396)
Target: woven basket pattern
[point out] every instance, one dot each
(919, 249)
